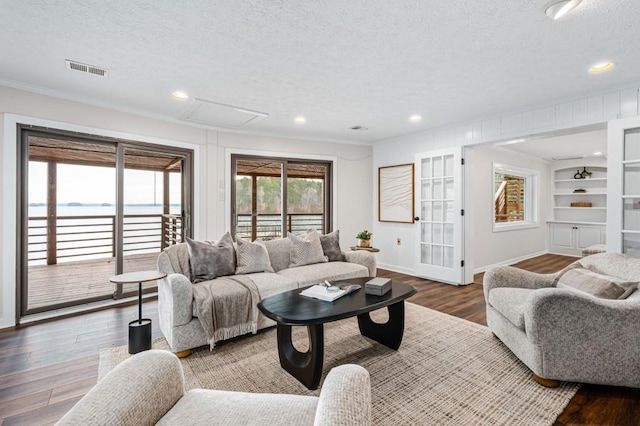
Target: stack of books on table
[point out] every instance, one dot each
(321, 292)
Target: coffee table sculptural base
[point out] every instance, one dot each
(289, 309)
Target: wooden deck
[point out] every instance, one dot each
(76, 281)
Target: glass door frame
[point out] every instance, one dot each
(24, 131)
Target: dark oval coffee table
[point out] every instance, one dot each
(290, 309)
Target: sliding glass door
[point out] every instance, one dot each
(271, 197)
(90, 208)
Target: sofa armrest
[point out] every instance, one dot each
(509, 276)
(364, 258)
(139, 391)
(175, 299)
(345, 398)
(555, 315)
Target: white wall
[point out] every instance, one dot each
(489, 247)
(353, 185)
(558, 117)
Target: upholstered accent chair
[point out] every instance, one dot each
(148, 389)
(580, 325)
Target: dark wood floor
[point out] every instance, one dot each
(45, 368)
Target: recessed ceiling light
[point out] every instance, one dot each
(597, 153)
(601, 67)
(299, 120)
(415, 118)
(179, 94)
(557, 9)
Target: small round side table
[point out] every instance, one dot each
(140, 329)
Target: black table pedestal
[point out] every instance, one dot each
(139, 335)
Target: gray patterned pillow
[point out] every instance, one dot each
(252, 257)
(210, 260)
(306, 250)
(595, 284)
(331, 246)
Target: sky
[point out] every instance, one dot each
(97, 185)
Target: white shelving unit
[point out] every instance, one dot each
(575, 228)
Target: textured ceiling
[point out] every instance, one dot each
(338, 63)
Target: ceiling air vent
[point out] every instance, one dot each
(359, 128)
(90, 69)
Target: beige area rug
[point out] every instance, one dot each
(447, 371)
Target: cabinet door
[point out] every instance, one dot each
(587, 236)
(562, 236)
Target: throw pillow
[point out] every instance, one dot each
(306, 250)
(595, 284)
(210, 260)
(331, 246)
(252, 257)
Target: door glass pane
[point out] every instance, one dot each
(426, 168)
(437, 233)
(631, 179)
(437, 167)
(70, 223)
(425, 254)
(436, 255)
(448, 234)
(426, 189)
(437, 211)
(448, 257)
(632, 144)
(437, 189)
(448, 189)
(426, 232)
(305, 204)
(448, 211)
(448, 165)
(427, 214)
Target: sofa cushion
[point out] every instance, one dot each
(306, 250)
(510, 302)
(279, 253)
(269, 284)
(331, 246)
(210, 260)
(595, 284)
(252, 257)
(213, 407)
(318, 272)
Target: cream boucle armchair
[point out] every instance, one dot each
(148, 389)
(567, 334)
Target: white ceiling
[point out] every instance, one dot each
(338, 63)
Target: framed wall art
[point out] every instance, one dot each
(395, 193)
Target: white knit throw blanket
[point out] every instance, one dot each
(227, 307)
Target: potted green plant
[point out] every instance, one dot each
(364, 238)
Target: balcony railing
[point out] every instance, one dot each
(269, 226)
(92, 237)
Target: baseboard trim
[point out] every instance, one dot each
(392, 268)
(509, 261)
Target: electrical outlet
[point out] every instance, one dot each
(398, 241)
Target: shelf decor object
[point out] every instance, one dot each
(395, 193)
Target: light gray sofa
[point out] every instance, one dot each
(148, 389)
(177, 316)
(564, 333)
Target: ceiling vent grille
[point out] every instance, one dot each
(90, 69)
(566, 157)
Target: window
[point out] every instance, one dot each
(265, 206)
(515, 197)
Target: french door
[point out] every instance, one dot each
(439, 177)
(90, 208)
(623, 198)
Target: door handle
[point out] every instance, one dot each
(416, 218)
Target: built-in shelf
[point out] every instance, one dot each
(574, 228)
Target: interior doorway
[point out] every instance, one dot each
(90, 208)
